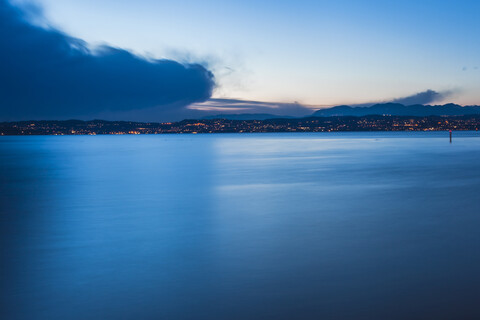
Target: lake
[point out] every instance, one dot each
(241, 226)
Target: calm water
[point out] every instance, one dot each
(267, 226)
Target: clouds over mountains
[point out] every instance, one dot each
(48, 74)
(237, 107)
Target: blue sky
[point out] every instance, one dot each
(314, 52)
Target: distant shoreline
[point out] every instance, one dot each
(372, 123)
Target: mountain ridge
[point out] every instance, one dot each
(390, 108)
(397, 109)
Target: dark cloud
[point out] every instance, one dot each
(48, 74)
(425, 97)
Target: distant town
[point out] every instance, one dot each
(309, 124)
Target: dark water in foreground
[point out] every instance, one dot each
(267, 226)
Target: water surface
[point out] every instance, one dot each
(240, 226)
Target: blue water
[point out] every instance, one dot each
(246, 226)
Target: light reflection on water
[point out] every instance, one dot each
(252, 226)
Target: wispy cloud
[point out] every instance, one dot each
(230, 106)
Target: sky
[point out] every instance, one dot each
(310, 53)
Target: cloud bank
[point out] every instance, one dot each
(48, 74)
